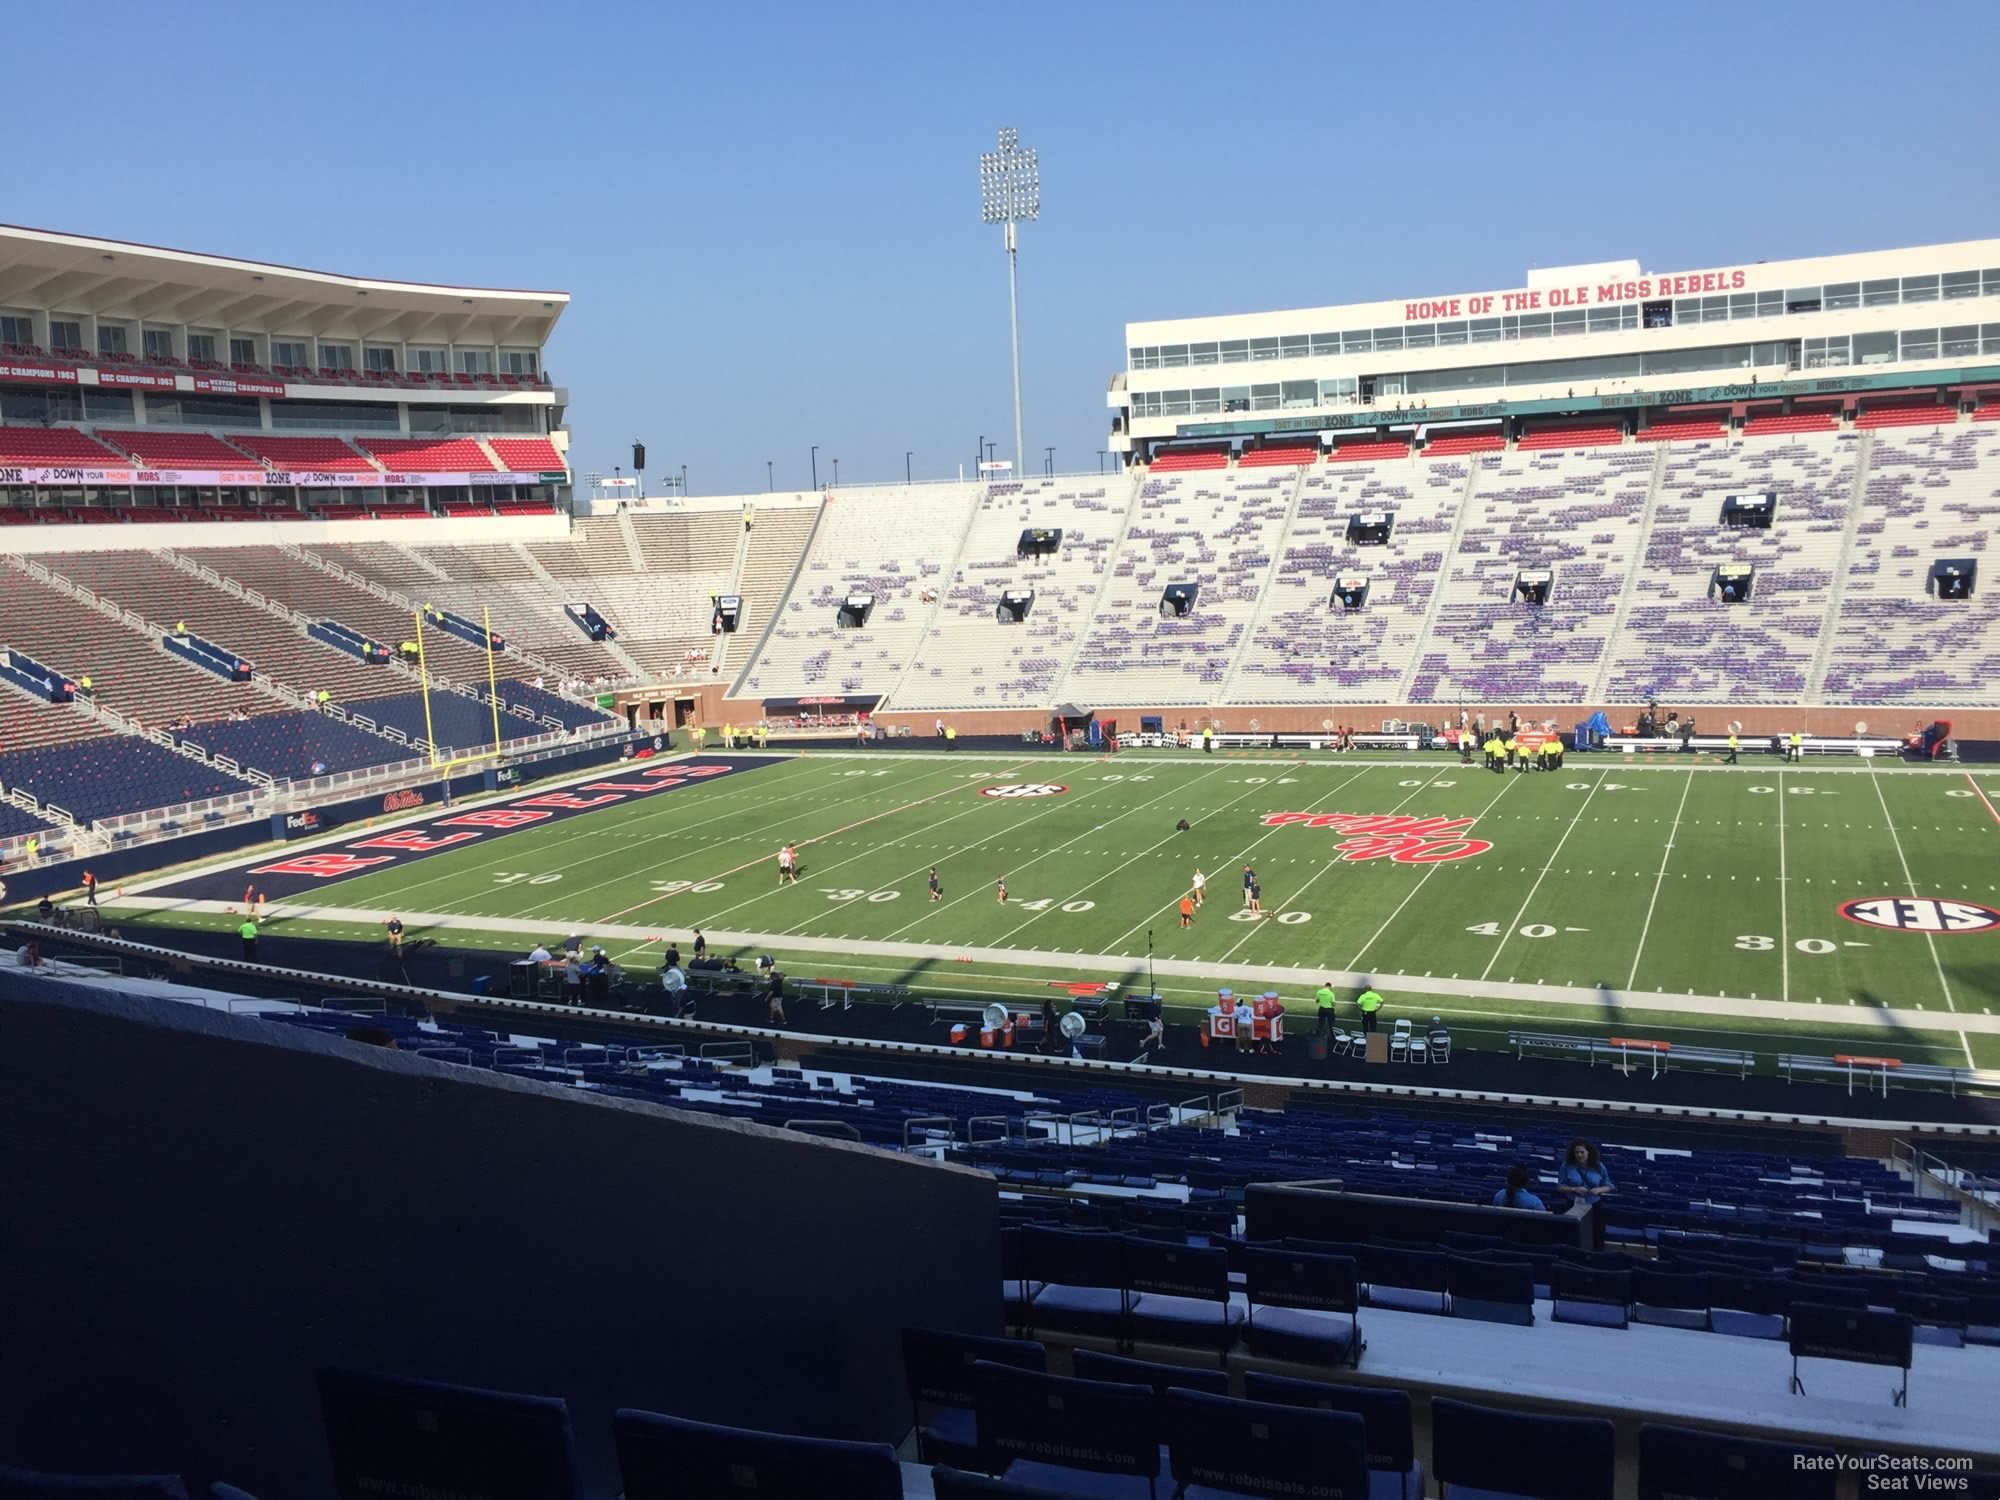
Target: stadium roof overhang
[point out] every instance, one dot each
(113, 279)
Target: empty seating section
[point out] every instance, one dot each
(1219, 531)
(527, 455)
(111, 777)
(392, 566)
(1172, 462)
(968, 659)
(1306, 649)
(1595, 435)
(1367, 451)
(1767, 424)
(1681, 644)
(498, 582)
(163, 448)
(1928, 495)
(1575, 513)
(1988, 411)
(320, 595)
(663, 615)
(428, 455)
(297, 744)
(459, 723)
(26, 722)
(18, 822)
(777, 541)
(1449, 444)
(1277, 456)
(168, 597)
(1907, 414)
(1681, 430)
(127, 670)
(893, 548)
(38, 447)
(330, 455)
(593, 548)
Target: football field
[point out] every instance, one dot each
(1818, 908)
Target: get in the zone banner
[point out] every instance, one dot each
(265, 478)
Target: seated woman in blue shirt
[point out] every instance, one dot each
(1515, 1194)
(1583, 1174)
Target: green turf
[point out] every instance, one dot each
(1659, 879)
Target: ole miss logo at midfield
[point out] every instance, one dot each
(1401, 837)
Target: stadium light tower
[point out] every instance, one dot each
(1010, 193)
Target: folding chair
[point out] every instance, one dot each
(938, 1368)
(1226, 1447)
(1601, 1299)
(20, 1484)
(1492, 1291)
(1440, 1045)
(1055, 1432)
(1179, 1295)
(669, 1458)
(1394, 1470)
(1498, 1453)
(1311, 1306)
(386, 1434)
(1670, 1299)
(1679, 1462)
(1399, 1042)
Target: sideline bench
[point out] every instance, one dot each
(1874, 1073)
(1626, 1053)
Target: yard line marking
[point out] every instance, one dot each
(1784, 901)
(1355, 962)
(1553, 854)
(1980, 793)
(1665, 855)
(1910, 884)
(764, 859)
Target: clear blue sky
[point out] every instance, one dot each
(768, 216)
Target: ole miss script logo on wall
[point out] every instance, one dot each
(1921, 914)
(1024, 789)
(1401, 837)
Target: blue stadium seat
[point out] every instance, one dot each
(1089, 1364)
(1406, 1280)
(20, 1484)
(1493, 1291)
(1225, 1447)
(388, 1436)
(1180, 1295)
(1303, 1306)
(938, 1367)
(1067, 1437)
(1484, 1453)
(670, 1458)
(1394, 1470)
(1083, 1281)
(1602, 1299)
(1670, 1299)
(105, 778)
(1677, 1463)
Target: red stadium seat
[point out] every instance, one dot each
(527, 455)
(37, 447)
(330, 454)
(1172, 462)
(177, 450)
(1593, 436)
(1681, 430)
(1368, 450)
(1922, 414)
(429, 455)
(1469, 442)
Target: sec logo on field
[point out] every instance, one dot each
(1921, 914)
(1024, 789)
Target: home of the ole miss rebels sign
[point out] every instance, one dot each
(1584, 294)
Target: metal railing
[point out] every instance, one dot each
(1005, 1137)
(731, 1052)
(927, 1121)
(1977, 1197)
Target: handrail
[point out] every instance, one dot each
(1130, 1114)
(1228, 1102)
(1980, 1212)
(1005, 1122)
(743, 1052)
(1085, 1117)
(1201, 1107)
(950, 1129)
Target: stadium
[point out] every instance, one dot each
(1430, 926)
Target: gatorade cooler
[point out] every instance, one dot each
(958, 1034)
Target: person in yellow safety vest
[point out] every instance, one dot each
(86, 684)
(1370, 1002)
(729, 736)
(1208, 739)
(763, 734)
(180, 627)
(1551, 753)
(34, 850)
(1732, 749)
(951, 737)
(698, 734)
(1798, 750)
(1493, 752)
(323, 697)
(1523, 753)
